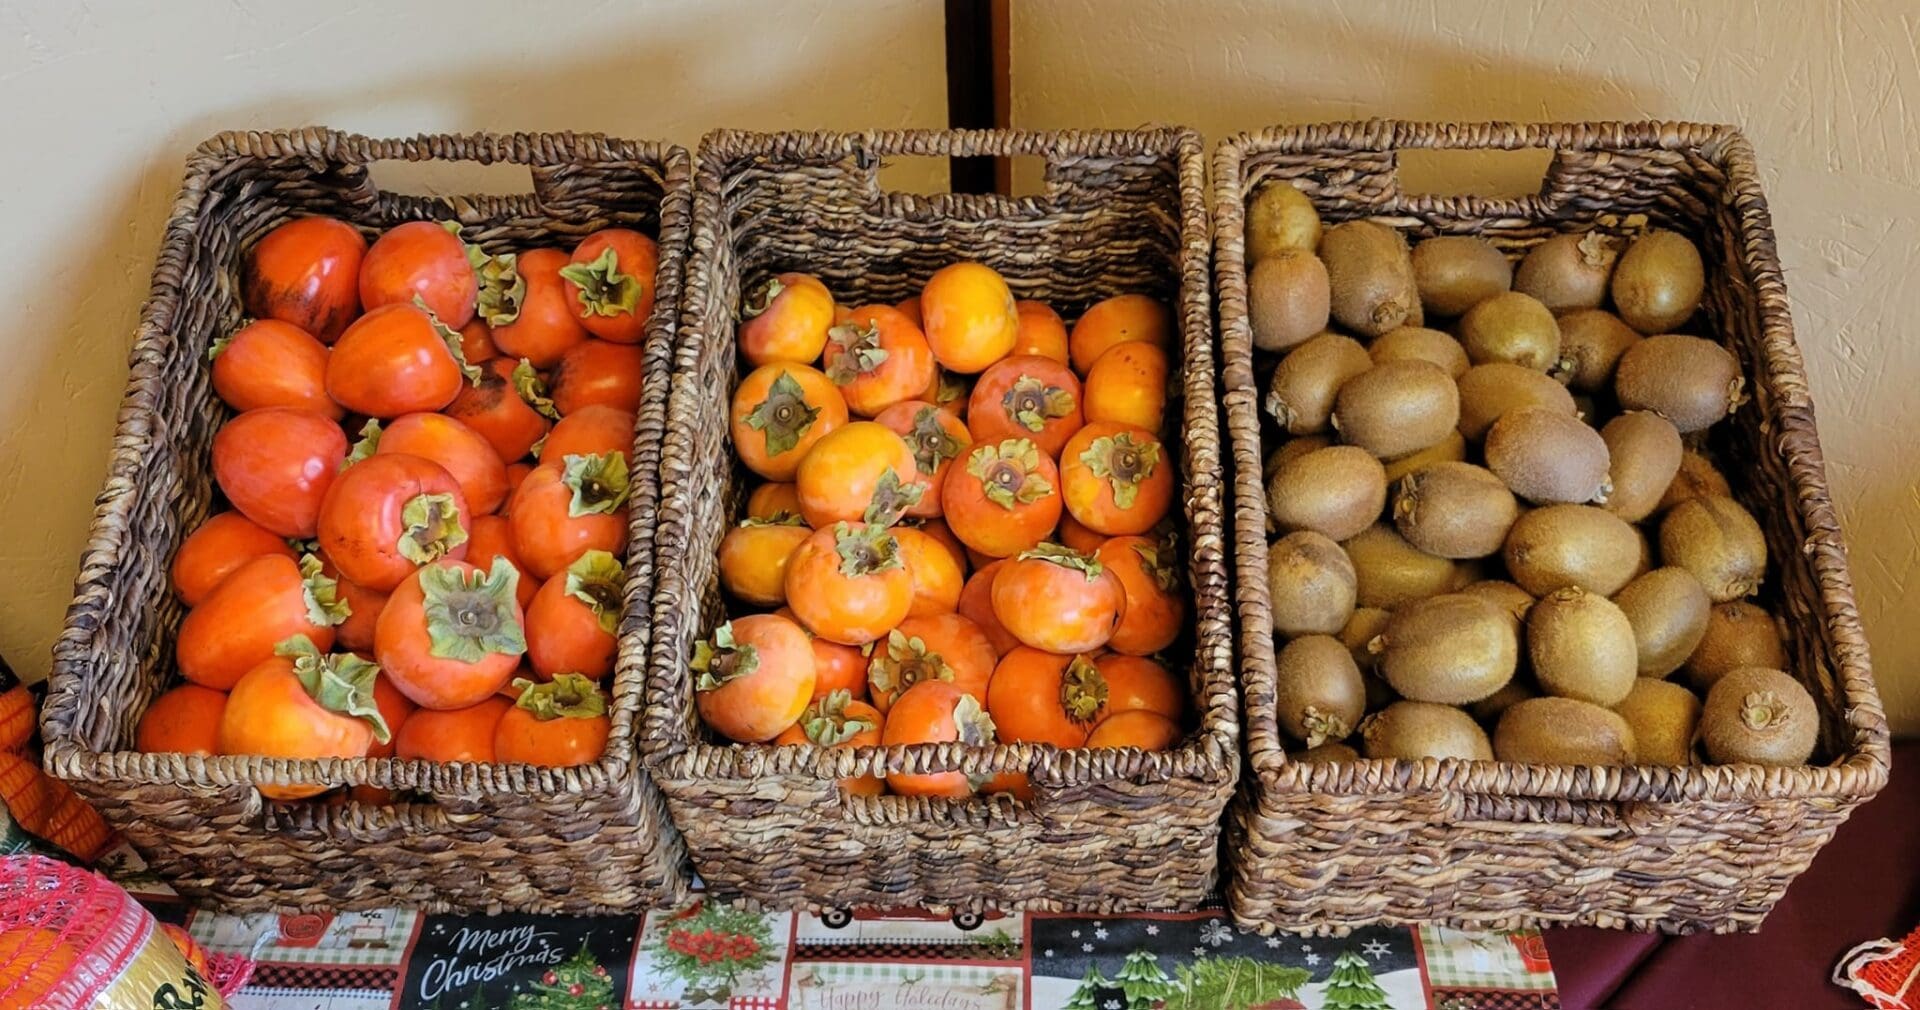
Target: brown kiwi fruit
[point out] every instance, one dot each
(1643, 455)
(1687, 380)
(1738, 634)
(1371, 274)
(1318, 693)
(1563, 731)
(1490, 708)
(1362, 628)
(1397, 408)
(1658, 282)
(1280, 217)
(1454, 510)
(1411, 730)
(1391, 572)
(1291, 449)
(1311, 583)
(1337, 491)
(1757, 715)
(1286, 299)
(1663, 717)
(1513, 328)
(1489, 391)
(1453, 649)
(1505, 595)
(1451, 448)
(1326, 753)
(1300, 393)
(1456, 272)
(1668, 609)
(1568, 272)
(1548, 457)
(1417, 343)
(1557, 546)
(1719, 542)
(1697, 478)
(1581, 646)
(1591, 343)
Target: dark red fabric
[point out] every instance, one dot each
(1863, 886)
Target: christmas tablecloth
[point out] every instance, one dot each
(709, 954)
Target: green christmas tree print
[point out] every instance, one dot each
(1090, 985)
(1351, 986)
(578, 983)
(1143, 982)
(1235, 983)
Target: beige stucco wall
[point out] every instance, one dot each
(104, 101)
(1830, 94)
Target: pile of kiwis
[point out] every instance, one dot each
(1495, 533)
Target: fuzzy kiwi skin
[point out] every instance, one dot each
(1643, 455)
(1719, 542)
(1563, 731)
(1300, 393)
(1658, 282)
(1513, 328)
(1572, 545)
(1411, 730)
(1337, 491)
(1280, 217)
(1454, 510)
(1505, 595)
(1738, 634)
(1456, 272)
(1397, 408)
(1591, 343)
(1664, 717)
(1392, 572)
(1371, 274)
(1311, 583)
(1292, 449)
(1568, 272)
(1453, 649)
(1489, 709)
(1318, 693)
(1696, 478)
(1668, 609)
(1326, 753)
(1581, 646)
(1286, 299)
(1489, 391)
(1548, 457)
(1451, 449)
(1362, 628)
(1757, 715)
(1417, 343)
(1687, 380)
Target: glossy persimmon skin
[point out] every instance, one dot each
(1154, 612)
(598, 372)
(564, 635)
(592, 430)
(307, 272)
(793, 326)
(993, 529)
(495, 410)
(837, 480)
(275, 465)
(236, 627)
(361, 525)
(460, 734)
(476, 342)
(909, 420)
(910, 307)
(1024, 699)
(464, 453)
(224, 542)
(957, 641)
(269, 363)
(1137, 682)
(1090, 498)
(547, 537)
(751, 444)
(753, 562)
(755, 707)
(269, 713)
(395, 707)
(836, 667)
(990, 417)
(859, 785)
(405, 652)
(849, 609)
(546, 327)
(1138, 728)
(1072, 534)
(976, 605)
(1057, 608)
(937, 575)
(1041, 331)
(490, 537)
(523, 738)
(907, 371)
(770, 500)
(1118, 320)
(969, 317)
(185, 720)
(393, 361)
(925, 714)
(424, 260)
(355, 634)
(1128, 385)
(635, 255)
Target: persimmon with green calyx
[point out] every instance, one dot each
(542, 325)
(754, 556)
(1042, 697)
(934, 711)
(591, 431)
(949, 392)
(878, 358)
(1042, 331)
(1003, 498)
(558, 724)
(937, 439)
(1155, 609)
(509, 407)
(215, 548)
(567, 507)
(945, 647)
(1115, 479)
(503, 285)
(573, 620)
(840, 720)
(753, 678)
(275, 465)
(490, 537)
(858, 471)
(1026, 396)
(1058, 599)
(386, 516)
(268, 363)
(264, 602)
(425, 260)
(452, 634)
(786, 318)
(460, 450)
(779, 411)
(610, 283)
(848, 584)
(398, 359)
(307, 272)
(836, 667)
(303, 703)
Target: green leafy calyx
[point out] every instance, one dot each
(569, 696)
(1065, 557)
(865, 549)
(1009, 473)
(595, 580)
(430, 528)
(1162, 573)
(891, 499)
(859, 350)
(599, 482)
(470, 615)
(761, 298)
(905, 662)
(1124, 461)
(1031, 403)
(930, 440)
(340, 683)
(784, 416)
(366, 445)
(975, 727)
(322, 594)
(827, 724)
(532, 390)
(604, 289)
(451, 338)
(720, 660)
(502, 287)
(1083, 691)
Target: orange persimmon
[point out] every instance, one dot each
(937, 574)
(1058, 599)
(753, 678)
(859, 471)
(754, 556)
(185, 720)
(574, 617)
(878, 358)
(1042, 331)
(1026, 396)
(839, 720)
(1155, 609)
(848, 583)
(786, 319)
(944, 647)
(1128, 385)
(1044, 697)
(1001, 499)
(1138, 728)
(558, 724)
(1115, 479)
(971, 320)
(934, 711)
(541, 325)
(976, 605)
(224, 542)
(779, 411)
(1118, 320)
(936, 438)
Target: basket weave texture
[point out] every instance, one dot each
(519, 837)
(1327, 847)
(1123, 212)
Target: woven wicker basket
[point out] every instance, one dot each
(1107, 829)
(1484, 844)
(520, 837)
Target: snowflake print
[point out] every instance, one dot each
(1112, 1004)
(1049, 952)
(1086, 948)
(1199, 952)
(1099, 934)
(1273, 943)
(1215, 933)
(1153, 929)
(1076, 934)
(1312, 959)
(1375, 948)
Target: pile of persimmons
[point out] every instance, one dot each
(886, 481)
(445, 583)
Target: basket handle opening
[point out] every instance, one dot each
(1483, 172)
(445, 178)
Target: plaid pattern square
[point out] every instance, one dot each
(349, 938)
(323, 977)
(1457, 959)
(1493, 999)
